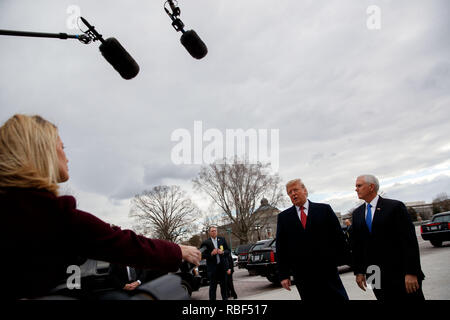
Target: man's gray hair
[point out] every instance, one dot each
(369, 178)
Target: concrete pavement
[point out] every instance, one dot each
(348, 279)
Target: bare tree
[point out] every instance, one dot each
(441, 203)
(207, 220)
(412, 213)
(236, 188)
(164, 213)
(210, 217)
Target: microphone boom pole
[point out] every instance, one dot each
(110, 48)
(40, 34)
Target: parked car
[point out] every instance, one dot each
(190, 280)
(95, 282)
(261, 257)
(235, 259)
(437, 230)
(242, 253)
(203, 273)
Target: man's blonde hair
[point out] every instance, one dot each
(291, 182)
(28, 157)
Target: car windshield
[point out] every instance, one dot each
(260, 246)
(243, 248)
(445, 218)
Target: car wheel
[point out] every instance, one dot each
(436, 243)
(186, 286)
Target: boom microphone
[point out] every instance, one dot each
(193, 44)
(114, 53)
(119, 58)
(189, 39)
(110, 48)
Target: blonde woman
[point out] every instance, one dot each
(43, 233)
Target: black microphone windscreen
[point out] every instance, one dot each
(193, 44)
(119, 58)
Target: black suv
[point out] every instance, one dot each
(262, 260)
(242, 253)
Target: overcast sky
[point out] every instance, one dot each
(346, 99)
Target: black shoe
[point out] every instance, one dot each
(235, 296)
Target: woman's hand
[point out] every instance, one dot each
(191, 254)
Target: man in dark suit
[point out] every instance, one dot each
(126, 278)
(310, 245)
(384, 238)
(216, 262)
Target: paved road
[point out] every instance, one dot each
(435, 265)
(244, 285)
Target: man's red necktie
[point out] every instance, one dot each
(303, 217)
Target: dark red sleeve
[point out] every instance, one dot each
(96, 239)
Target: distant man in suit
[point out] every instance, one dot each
(216, 262)
(384, 236)
(126, 278)
(310, 245)
(347, 231)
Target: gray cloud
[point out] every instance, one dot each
(156, 175)
(345, 99)
(424, 190)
